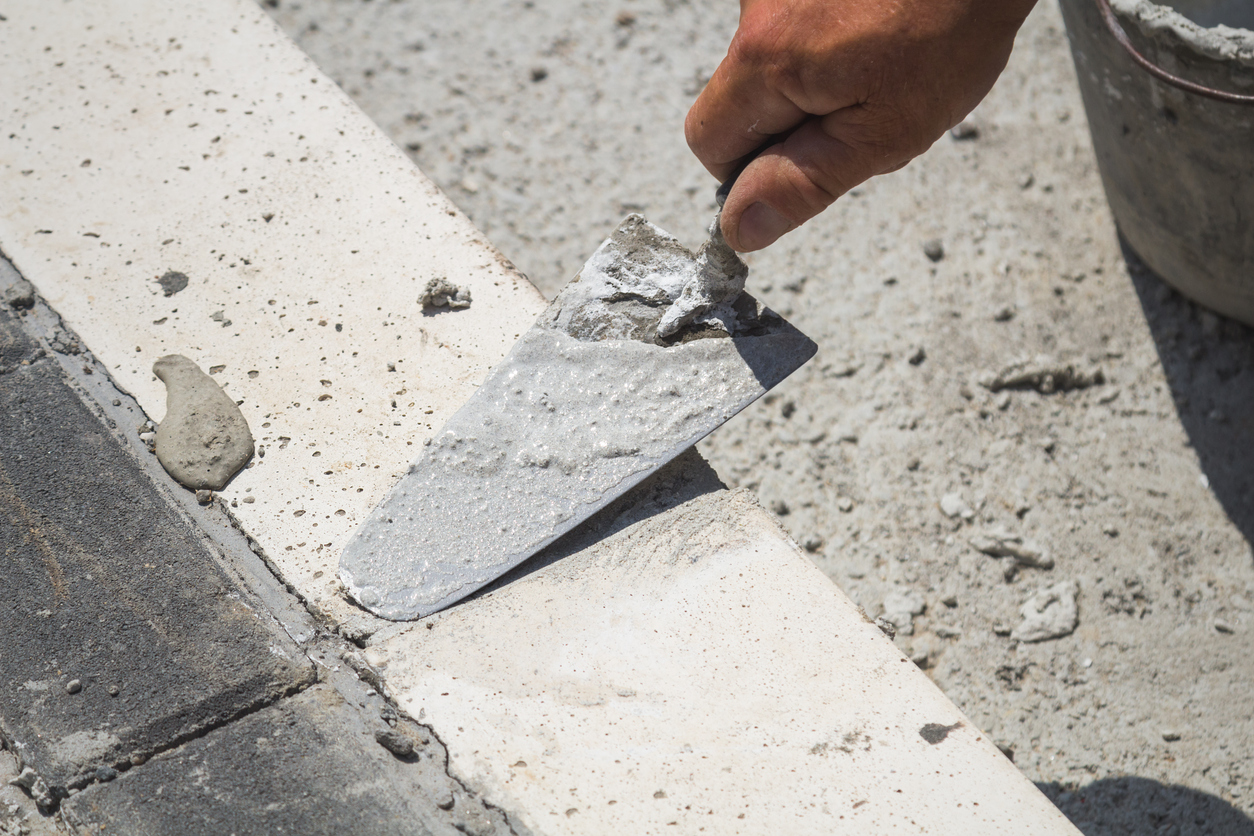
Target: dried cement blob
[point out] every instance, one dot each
(718, 277)
(587, 404)
(203, 440)
(440, 293)
(1221, 43)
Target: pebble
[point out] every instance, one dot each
(105, 774)
(114, 690)
(953, 505)
(934, 249)
(887, 627)
(812, 543)
(1002, 544)
(20, 295)
(965, 130)
(1223, 626)
(73, 686)
(1171, 735)
(1004, 314)
(845, 504)
(394, 742)
(204, 496)
(947, 632)
(950, 601)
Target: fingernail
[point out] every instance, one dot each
(761, 226)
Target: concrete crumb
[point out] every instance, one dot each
(1001, 544)
(1044, 375)
(1049, 614)
(441, 293)
(20, 295)
(203, 440)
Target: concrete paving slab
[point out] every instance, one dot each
(124, 636)
(694, 672)
(307, 765)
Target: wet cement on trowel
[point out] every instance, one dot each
(203, 440)
(590, 401)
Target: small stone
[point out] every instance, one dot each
(249, 500)
(114, 690)
(203, 440)
(812, 543)
(918, 356)
(539, 73)
(953, 506)
(887, 627)
(1049, 614)
(395, 742)
(947, 632)
(104, 774)
(73, 686)
(965, 130)
(1171, 735)
(780, 508)
(1004, 314)
(934, 249)
(1003, 401)
(950, 601)
(20, 295)
(1110, 530)
(844, 504)
(1002, 629)
(204, 496)
(1223, 626)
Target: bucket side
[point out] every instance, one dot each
(1178, 169)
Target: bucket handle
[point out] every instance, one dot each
(1112, 23)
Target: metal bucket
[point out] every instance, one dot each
(1169, 94)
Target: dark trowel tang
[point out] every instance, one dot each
(645, 352)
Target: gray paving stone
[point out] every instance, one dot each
(121, 633)
(306, 765)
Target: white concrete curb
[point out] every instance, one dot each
(692, 669)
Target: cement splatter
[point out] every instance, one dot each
(203, 440)
(934, 733)
(441, 293)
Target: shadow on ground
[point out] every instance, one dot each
(1209, 364)
(1132, 806)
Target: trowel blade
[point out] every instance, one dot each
(587, 404)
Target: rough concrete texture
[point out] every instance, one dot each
(548, 122)
(203, 440)
(587, 404)
(1177, 167)
(122, 633)
(310, 764)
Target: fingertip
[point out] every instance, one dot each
(756, 228)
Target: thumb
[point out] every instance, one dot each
(794, 180)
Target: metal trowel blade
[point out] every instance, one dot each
(587, 403)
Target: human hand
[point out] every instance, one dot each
(858, 88)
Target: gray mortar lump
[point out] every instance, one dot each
(203, 440)
(591, 400)
(441, 293)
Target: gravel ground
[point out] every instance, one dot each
(1120, 455)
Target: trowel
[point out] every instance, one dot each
(646, 351)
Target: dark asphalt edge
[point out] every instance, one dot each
(334, 656)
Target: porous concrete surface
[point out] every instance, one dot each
(548, 122)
